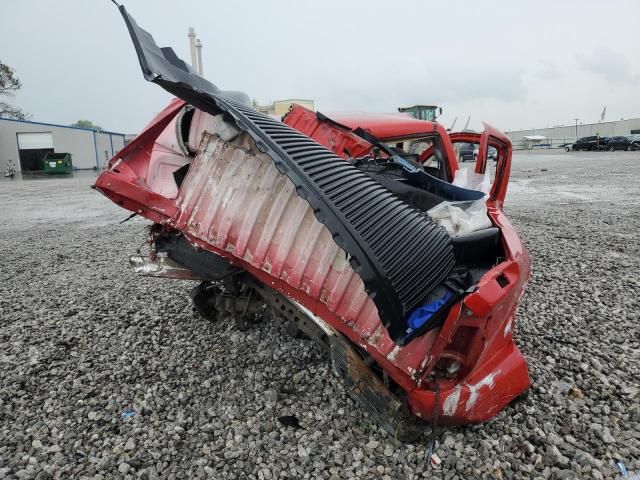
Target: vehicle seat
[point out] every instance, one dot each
(391, 177)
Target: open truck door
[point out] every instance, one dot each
(491, 137)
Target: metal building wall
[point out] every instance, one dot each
(81, 143)
(567, 133)
(108, 144)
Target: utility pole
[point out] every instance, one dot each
(576, 119)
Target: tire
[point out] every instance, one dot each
(567, 149)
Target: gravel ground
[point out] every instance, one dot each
(105, 375)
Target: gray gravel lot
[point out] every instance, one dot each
(85, 343)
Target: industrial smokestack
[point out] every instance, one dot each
(192, 47)
(199, 50)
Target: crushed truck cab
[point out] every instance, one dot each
(329, 220)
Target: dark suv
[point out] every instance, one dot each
(618, 143)
(634, 140)
(590, 143)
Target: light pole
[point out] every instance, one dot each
(576, 119)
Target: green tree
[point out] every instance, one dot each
(9, 85)
(86, 124)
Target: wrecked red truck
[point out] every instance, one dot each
(359, 230)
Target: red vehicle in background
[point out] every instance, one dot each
(324, 219)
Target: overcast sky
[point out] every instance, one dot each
(514, 64)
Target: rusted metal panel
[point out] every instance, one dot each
(369, 391)
(235, 199)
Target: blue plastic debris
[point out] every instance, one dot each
(423, 314)
(622, 468)
(127, 414)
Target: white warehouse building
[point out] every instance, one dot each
(25, 143)
(553, 137)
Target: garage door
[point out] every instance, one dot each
(32, 147)
(33, 141)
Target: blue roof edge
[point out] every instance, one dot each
(61, 126)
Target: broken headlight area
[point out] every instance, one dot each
(324, 221)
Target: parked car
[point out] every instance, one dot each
(590, 143)
(618, 143)
(492, 153)
(466, 151)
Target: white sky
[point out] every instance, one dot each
(514, 64)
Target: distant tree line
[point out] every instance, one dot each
(9, 85)
(86, 124)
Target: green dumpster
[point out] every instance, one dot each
(57, 163)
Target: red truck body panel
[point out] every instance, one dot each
(279, 241)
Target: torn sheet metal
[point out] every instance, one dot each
(160, 267)
(279, 234)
